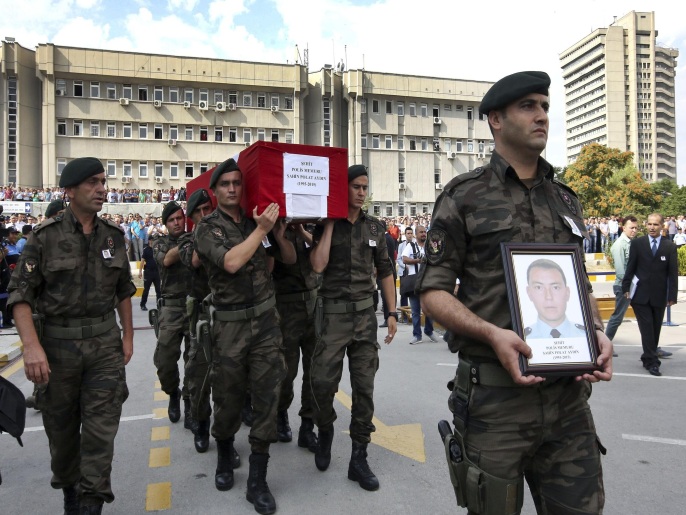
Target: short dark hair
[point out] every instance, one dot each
(630, 218)
(546, 264)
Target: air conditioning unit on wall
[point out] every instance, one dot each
(452, 155)
(203, 105)
(402, 186)
(157, 103)
(124, 101)
(231, 107)
(126, 180)
(220, 107)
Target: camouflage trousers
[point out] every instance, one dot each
(247, 354)
(297, 327)
(354, 334)
(81, 406)
(173, 331)
(544, 432)
(197, 378)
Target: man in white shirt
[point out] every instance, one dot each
(414, 256)
(408, 237)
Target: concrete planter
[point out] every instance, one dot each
(682, 283)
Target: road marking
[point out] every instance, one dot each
(161, 396)
(159, 413)
(159, 457)
(159, 433)
(446, 365)
(12, 369)
(158, 497)
(123, 419)
(648, 376)
(158, 385)
(654, 439)
(406, 439)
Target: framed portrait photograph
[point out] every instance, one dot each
(551, 310)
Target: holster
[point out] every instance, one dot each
(38, 323)
(203, 333)
(154, 319)
(318, 317)
(193, 310)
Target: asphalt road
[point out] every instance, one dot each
(640, 419)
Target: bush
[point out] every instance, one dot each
(681, 253)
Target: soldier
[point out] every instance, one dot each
(73, 274)
(346, 252)
(197, 369)
(296, 293)
(247, 343)
(510, 425)
(173, 319)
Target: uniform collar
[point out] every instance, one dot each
(74, 224)
(502, 168)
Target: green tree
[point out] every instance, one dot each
(607, 182)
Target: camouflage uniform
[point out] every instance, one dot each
(76, 281)
(546, 431)
(296, 293)
(176, 283)
(197, 368)
(245, 352)
(348, 281)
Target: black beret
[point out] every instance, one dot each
(170, 209)
(197, 199)
(54, 207)
(355, 171)
(227, 166)
(513, 87)
(80, 169)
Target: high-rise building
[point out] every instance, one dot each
(619, 92)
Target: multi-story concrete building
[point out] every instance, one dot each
(157, 121)
(619, 91)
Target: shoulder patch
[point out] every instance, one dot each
(46, 223)
(567, 197)
(435, 246)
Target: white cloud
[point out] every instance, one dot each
(87, 4)
(186, 5)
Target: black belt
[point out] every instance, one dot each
(174, 303)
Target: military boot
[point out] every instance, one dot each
(188, 420)
(306, 436)
(202, 436)
(258, 491)
(174, 409)
(71, 501)
(235, 458)
(223, 477)
(359, 470)
(283, 428)
(91, 509)
(247, 414)
(322, 456)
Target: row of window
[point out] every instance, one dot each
(172, 94)
(115, 168)
(412, 108)
(433, 145)
(387, 209)
(12, 129)
(159, 131)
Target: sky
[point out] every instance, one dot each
(439, 38)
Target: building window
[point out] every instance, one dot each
(174, 95)
(437, 145)
(376, 209)
(158, 94)
(111, 129)
(275, 135)
(247, 99)
(389, 107)
(437, 176)
(218, 134)
(95, 90)
(424, 110)
(425, 208)
(203, 168)
(389, 142)
(128, 169)
(188, 133)
(158, 131)
(458, 146)
(401, 209)
(470, 146)
(188, 95)
(401, 143)
(289, 136)
(436, 111)
(233, 97)
(375, 106)
(111, 92)
(413, 209)
(482, 148)
(261, 100)
(247, 136)
(288, 103)
(111, 168)
(363, 141)
(447, 107)
(375, 141)
(389, 209)
(61, 163)
(401, 175)
(425, 144)
(189, 170)
(127, 91)
(203, 133)
(275, 101)
(232, 135)
(61, 87)
(128, 132)
(482, 117)
(142, 131)
(143, 93)
(413, 109)
(363, 105)
(218, 96)
(95, 129)
(458, 107)
(174, 170)
(470, 113)
(78, 88)
(78, 128)
(413, 143)
(61, 127)
(446, 144)
(204, 95)
(260, 134)
(143, 170)
(400, 106)
(159, 169)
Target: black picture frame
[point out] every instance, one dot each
(551, 313)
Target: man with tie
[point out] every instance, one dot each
(547, 289)
(653, 261)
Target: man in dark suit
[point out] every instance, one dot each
(653, 260)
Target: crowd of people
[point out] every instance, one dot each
(114, 195)
(604, 231)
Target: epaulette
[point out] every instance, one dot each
(464, 177)
(565, 187)
(374, 219)
(47, 222)
(113, 224)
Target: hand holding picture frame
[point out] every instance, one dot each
(551, 308)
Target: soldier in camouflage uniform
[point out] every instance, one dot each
(346, 252)
(173, 318)
(72, 274)
(510, 425)
(248, 346)
(296, 293)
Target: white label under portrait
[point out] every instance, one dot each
(305, 175)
